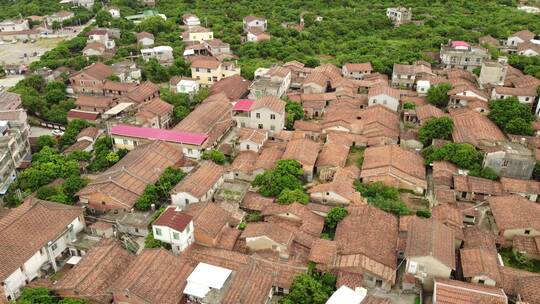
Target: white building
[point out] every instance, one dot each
(162, 53)
(115, 12)
(346, 295)
(37, 235)
(422, 87)
(267, 113)
(14, 25)
(174, 227)
(190, 20)
(399, 15)
(270, 82)
(101, 35)
(204, 279)
(384, 95)
(184, 85)
(254, 23)
(198, 186)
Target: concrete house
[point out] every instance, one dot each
(525, 95)
(198, 186)
(184, 85)
(493, 72)
(510, 159)
(101, 35)
(198, 34)
(305, 151)
(268, 236)
(515, 216)
(60, 16)
(429, 251)
(38, 235)
(399, 15)
(356, 70)
(163, 54)
(14, 145)
(190, 19)
(114, 11)
(208, 70)
(395, 167)
(267, 113)
(14, 25)
(174, 227)
(254, 23)
(252, 139)
(270, 82)
(145, 39)
(461, 54)
(385, 96)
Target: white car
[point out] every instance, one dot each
(57, 132)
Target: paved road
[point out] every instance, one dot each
(38, 131)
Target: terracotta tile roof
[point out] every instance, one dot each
(205, 62)
(98, 71)
(526, 81)
(351, 278)
(457, 292)
(124, 182)
(94, 101)
(213, 117)
(529, 289)
(253, 18)
(244, 162)
(476, 237)
(91, 132)
(250, 284)
(95, 46)
(304, 151)
(28, 228)
(156, 106)
(323, 251)
(97, 31)
(342, 185)
(157, 276)
(510, 278)
(254, 135)
(386, 90)
(208, 217)
(514, 212)
(428, 111)
(269, 156)
(526, 244)
(235, 87)
(143, 91)
(308, 221)
(97, 271)
(399, 69)
(143, 35)
(201, 180)
(450, 216)
(345, 138)
(270, 102)
(460, 73)
(429, 237)
(464, 183)
(480, 262)
(512, 185)
(110, 85)
(371, 223)
(443, 173)
(273, 231)
(333, 155)
(358, 67)
(75, 114)
(524, 35)
(310, 126)
(472, 127)
(393, 159)
(526, 91)
(78, 146)
(316, 77)
(173, 218)
(444, 195)
(255, 201)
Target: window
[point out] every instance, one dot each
(208, 70)
(54, 246)
(196, 69)
(187, 229)
(260, 126)
(187, 201)
(527, 232)
(176, 235)
(158, 231)
(125, 141)
(272, 127)
(272, 116)
(247, 147)
(258, 115)
(481, 281)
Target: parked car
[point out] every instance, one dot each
(57, 132)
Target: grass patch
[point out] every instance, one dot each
(356, 156)
(517, 260)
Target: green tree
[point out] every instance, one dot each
(103, 18)
(71, 185)
(440, 128)
(46, 141)
(38, 295)
(409, 105)
(294, 112)
(214, 155)
(438, 95)
(70, 134)
(463, 155)
(288, 196)
(112, 157)
(286, 175)
(334, 216)
(306, 289)
(511, 116)
(114, 78)
(382, 197)
(201, 95)
(423, 213)
(155, 72)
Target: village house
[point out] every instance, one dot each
(212, 119)
(356, 70)
(9, 101)
(119, 187)
(305, 151)
(14, 25)
(526, 188)
(399, 15)
(339, 191)
(163, 54)
(255, 35)
(331, 157)
(212, 224)
(480, 266)
(94, 49)
(139, 17)
(152, 265)
(515, 216)
(509, 159)
(267, 113)
(98, 104)
(461, 54)
(155, 113)
(145, 39)
(84, 141)
(38, 234)
(175, 228)
(197, 33)
(385, 96)
(199, 186)
(493, 72)
(208, 70)
(184, 85)
(90, 79)
(235, 87)
(518, 38)
(268, 236)
(531, 48)
(252, 139)
(446, 291)
(475, 188)
(216, 47)
(60, 17)
(127, 71)
(190, 19)
(474, 128)
(430, 251)
(101, 36)
(406, 75)
(270, 82)
(395, 167)
(253, 22)
(90, 279)
(114, 11)
(524, 95)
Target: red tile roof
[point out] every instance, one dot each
(173, 218)
(160, 134)
(515, 212)
(429, 237)
(457, 292)
(75, 114)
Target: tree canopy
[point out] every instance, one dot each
(382, 197)
(440, 128)
(512, 116)
(287, 174)
(438, 95)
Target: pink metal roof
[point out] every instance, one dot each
(459, 43)
(243, 105)
(161, 134)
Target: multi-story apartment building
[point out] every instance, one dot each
(460, 54)
(14, 145)
(208, 70)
